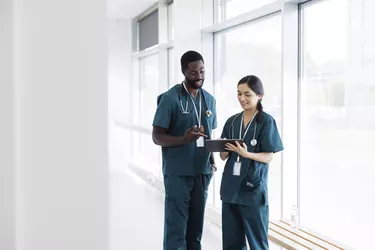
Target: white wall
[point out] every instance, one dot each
(59, 92)
(7, 169)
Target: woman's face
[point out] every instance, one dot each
(247, 98)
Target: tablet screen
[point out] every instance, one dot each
(218, 145)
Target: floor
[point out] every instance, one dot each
(137, 209)
(137, 216)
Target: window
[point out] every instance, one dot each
(228, 9)
(337, 120)
(253, 48)
(148, 31)
(149, 89)
(148, 92)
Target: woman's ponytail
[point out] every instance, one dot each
(260, 110)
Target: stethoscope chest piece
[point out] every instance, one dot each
(253, 142)
(208, 113)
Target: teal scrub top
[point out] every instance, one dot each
(250, 188)
(187, 160)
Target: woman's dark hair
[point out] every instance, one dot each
(256, 85)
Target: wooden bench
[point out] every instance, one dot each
(281, 233)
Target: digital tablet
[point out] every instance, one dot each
(218, 145)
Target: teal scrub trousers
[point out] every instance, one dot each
(185, 201)
(239, 221)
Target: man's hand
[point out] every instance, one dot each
(194, 133)
(213, 168)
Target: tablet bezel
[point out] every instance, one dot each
(218, 145)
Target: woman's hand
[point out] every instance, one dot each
(241, 150)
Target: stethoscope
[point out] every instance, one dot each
(253, 142)
(185, 110)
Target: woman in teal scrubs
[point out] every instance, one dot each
(244, 192)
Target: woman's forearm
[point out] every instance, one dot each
(260, 157)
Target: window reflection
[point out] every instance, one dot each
(232, 8)
(149, 90)
(337, 120)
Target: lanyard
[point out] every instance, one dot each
(248, 125)
(199, 116)
(247, 128)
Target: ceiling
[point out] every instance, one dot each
(127, 9)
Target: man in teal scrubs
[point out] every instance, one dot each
(185, 116)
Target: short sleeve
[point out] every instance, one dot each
(163, 114)
(225, 132)
(214, 116)
(270, 138)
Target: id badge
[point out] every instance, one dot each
(237, 168)
(200, 142)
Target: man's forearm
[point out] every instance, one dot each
(165, 140)
(212, 164)
(224, 155)
(212, 159)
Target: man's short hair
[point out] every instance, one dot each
(189, 57)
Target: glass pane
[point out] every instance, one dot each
(149, 31)
(232, 8)
(338, 120)
(135, 93)
(149, 90)
(253, 48)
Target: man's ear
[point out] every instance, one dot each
(183, 72)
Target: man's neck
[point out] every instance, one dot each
(192, 91)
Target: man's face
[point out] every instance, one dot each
(194, 74)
